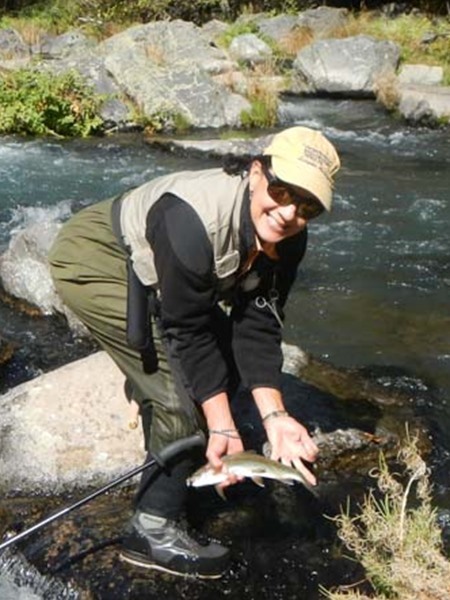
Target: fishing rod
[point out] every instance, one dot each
(160, 459)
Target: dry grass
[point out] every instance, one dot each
(155, 54)
(396, 537)
(295, 40)
(30, 31)
(386, 90)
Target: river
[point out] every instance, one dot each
(373, 290)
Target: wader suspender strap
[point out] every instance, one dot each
(140, 300)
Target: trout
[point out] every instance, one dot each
(248, 464)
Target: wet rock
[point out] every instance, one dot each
(25, 274)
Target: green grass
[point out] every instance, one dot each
(40, 103)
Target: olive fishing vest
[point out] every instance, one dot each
(216, 198)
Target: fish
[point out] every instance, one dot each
(248, 464)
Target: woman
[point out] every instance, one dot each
(182, 281)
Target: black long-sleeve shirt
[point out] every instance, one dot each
(189, 291)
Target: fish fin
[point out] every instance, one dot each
(258, 481)
(221, 493)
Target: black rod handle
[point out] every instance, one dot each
(179, 446)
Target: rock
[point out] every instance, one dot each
(250, 49)
(323, 21)
(53, 47)
(167, 69)
(67, 429)
(213, 148)
(24, 268)
(12, 45)
(278, 27)
(347, 67)
(425, 104)
(214, 29)
(25, 272)
(420, 75)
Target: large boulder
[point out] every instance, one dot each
(346, 67)
(68, 428)
(168, 68)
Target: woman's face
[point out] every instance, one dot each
(273, 222)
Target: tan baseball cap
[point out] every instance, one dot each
(305, 158)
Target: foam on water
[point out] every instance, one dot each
(19, 580)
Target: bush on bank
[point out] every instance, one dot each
(40, 103)
(396, 536)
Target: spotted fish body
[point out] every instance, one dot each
(248, 464)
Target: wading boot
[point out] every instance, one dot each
(154, 542)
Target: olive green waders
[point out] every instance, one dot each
(89, 269)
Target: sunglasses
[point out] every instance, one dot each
(284, 194)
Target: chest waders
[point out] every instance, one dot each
(89, 268)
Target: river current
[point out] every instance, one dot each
(373, 290)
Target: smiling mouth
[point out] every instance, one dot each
(274, 224)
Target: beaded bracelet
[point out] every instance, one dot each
(226, 432)
(275, 413)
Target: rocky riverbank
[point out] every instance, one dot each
(167, 73)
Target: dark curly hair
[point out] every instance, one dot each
(235, 165)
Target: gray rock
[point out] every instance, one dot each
(323, 21)
(277, 28)
(214, 148)
(167, 68)
(349, 66)
(25, 273)
(12, 45)
(420, 75)
(424, 103)
(24, 268)
(214, 29)
(52, 47)
(67, 429)
(250, 49)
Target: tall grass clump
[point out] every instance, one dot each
(396, 537)
(41, 103)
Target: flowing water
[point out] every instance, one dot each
(373, 289)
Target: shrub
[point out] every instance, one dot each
(40, 103)
(396, 536)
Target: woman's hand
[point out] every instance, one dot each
(291, 444)
(224, 438)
